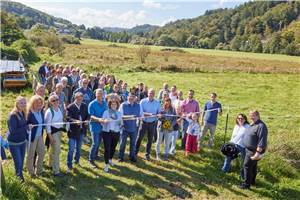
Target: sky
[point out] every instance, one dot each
(127, 13)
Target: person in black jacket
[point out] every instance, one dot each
(76, 112)
(255, 141)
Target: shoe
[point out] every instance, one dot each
(58, 175)
(166, 158)
(243, 186)
(97, 158)
(147, 157)
(121, 160)
(106, 168)
(93, 164)
(86, 140)
(77, 164)
(133, 160)
(111, 163)
(21, 179)
(69, 169)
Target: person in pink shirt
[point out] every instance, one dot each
(188, 106)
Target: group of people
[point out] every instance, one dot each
(103, 107)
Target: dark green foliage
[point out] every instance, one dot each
(25, 48)
(69, 39)
(10, 31)
(254, 26)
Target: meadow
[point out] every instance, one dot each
(274, 93)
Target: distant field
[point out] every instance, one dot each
(263, 56)
(109, 56)
(199, 177)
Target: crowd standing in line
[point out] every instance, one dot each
(103, 108)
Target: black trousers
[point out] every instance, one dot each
(110, 140)
(150, 128)
(250, 168)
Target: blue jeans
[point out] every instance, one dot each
(174, 137)
(96, 141)
(18, 155)
(227, 161)
(74, 144)
(132, 136)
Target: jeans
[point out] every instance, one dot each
(110, 140)
(167, 141)
(174, 137)
(212, 129)
(132, 136)
(96, 141)
(74, 144)
(18, 155)
(227, 161)
(184, 129)
(151, 130)
(250, 168)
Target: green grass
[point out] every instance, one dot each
(209, 52)
(103, 56)
(197, 177)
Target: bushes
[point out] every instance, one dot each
(25, 48)
(143, 53)
(41, 37)
(9, 52)
(69, 39)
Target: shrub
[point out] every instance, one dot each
(9, 52)
(69, 39)
(25, 48)
(143, 53)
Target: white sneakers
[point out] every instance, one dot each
(111, 163)
(106, 168)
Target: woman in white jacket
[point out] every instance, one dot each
(237, 138)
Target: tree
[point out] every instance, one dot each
(10, 31)
(165, 40)
(192, 41)
(143, 52)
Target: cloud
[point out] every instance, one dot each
(151, 4)
(108, 18)
(155, 5)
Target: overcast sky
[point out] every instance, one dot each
(127, 13)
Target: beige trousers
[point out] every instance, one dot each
(55, 153)
(37, 146)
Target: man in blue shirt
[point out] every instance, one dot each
(129, 109)
(96, 109)
(210, 118)
(149, 106)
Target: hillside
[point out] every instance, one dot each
(28, 17)
(254, 26)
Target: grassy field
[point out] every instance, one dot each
(197, 177)
(106, 56)
(241, 86)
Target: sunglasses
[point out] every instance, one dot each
(240, 118)
(55, 100)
